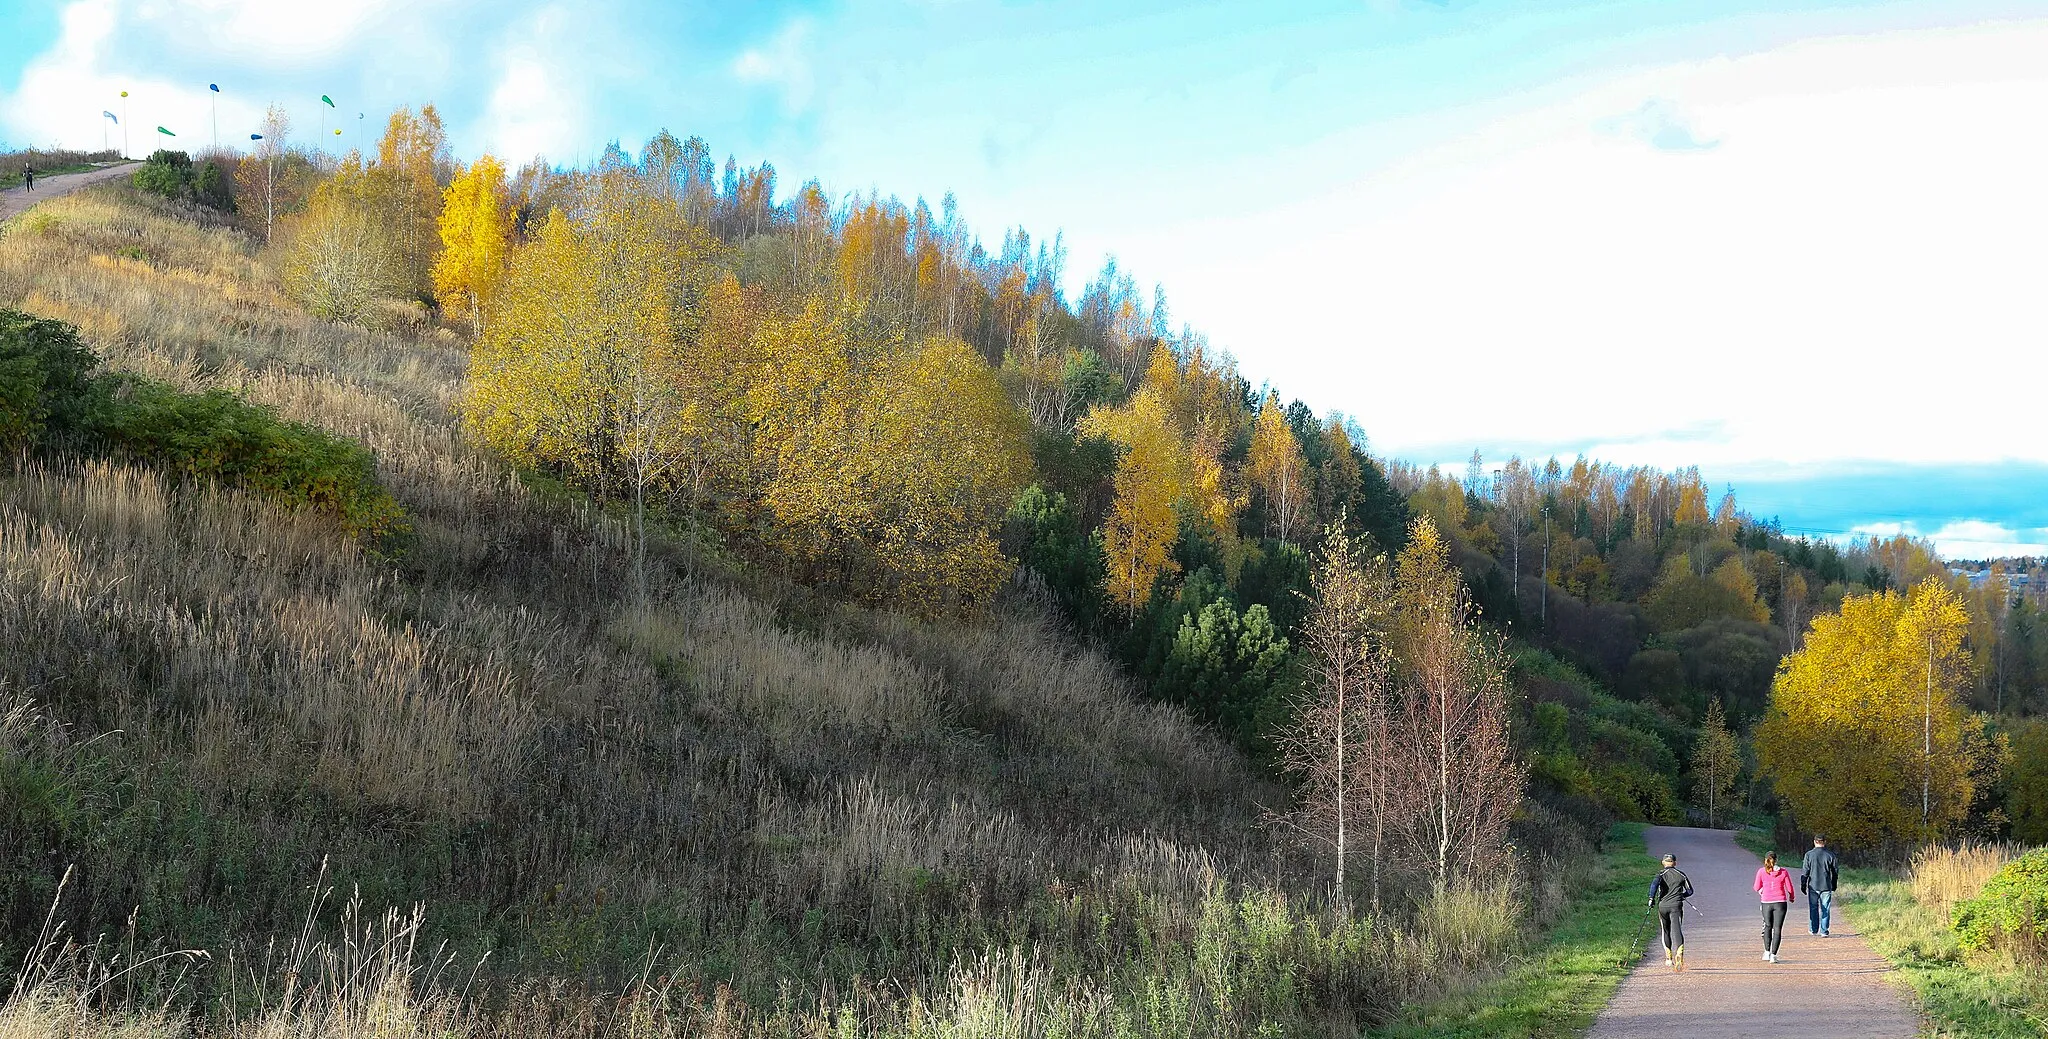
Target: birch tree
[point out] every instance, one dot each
(1336, 743)
(1458, 781)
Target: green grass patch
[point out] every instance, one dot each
(1559, 986)
(1964, 997)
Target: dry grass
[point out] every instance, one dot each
(719, 815)
(1941, 877)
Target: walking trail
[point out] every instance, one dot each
(1820, 987)
(16, 199)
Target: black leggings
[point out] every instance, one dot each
(1774, 925)
(1671, 924)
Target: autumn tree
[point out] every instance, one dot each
(476, 228)
(575, 371)
(411, 159)
(1277, 469)
(1460, 783)
(340, 257)
(268, 181)
(1335, 745)
(1866, 735)
(1151, 478)
(1716, 759)
(888, 471)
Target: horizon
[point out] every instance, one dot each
(1776, 245)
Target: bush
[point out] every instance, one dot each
(45, 379)
(50, 399)
(173, 175)
(216, 436)
(2011, 914)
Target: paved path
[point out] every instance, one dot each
(1820, 987)
(15, 199)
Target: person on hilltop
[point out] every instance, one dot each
(1774, 884)
(1668, 892)
(1818, 876)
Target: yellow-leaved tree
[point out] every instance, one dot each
(1277, 469)
(886, 470)
(1867, 737)
(576, 371)
(1151, 480)
(476, 232)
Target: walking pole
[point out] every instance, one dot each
(1638, 939)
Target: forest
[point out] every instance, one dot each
(789, 597)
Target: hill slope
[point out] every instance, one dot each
(784, 809)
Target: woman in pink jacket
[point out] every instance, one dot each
(1774, 884)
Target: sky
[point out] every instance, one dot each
(1799, 244)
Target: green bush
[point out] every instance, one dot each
(50, 400)
(45, 379)
(174, 175)
(216, 436)
(2011, 914)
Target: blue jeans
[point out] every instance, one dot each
(1819, 906)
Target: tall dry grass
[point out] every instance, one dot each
(1939, 877)
(726, 813)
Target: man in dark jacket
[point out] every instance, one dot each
(1668, 893)
(1817, 877)
(28, 176)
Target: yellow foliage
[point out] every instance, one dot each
(1152, 477)
(1854, 728)
(476, 228)
(566, 373)
(887, 469)
(340, 256)
(1277, 468)
(1734, 576)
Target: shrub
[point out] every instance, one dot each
(50, 398)
(2011, 914)
(216, 436)
(174, 175)
(45, 379)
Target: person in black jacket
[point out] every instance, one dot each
(1818, 876)
(1668, 892)
(28, 176)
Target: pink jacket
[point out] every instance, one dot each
(1774, 887)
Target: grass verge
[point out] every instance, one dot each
(1560, 985)
(1962, 998)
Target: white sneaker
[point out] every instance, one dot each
(1667, 961)
(1767, 957)
(1774, 957)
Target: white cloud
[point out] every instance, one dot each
(1853, 273)
(784, 61)
(537, 105)
(1969, 539)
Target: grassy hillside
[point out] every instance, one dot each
(740, 810)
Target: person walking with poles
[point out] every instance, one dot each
(1818, 876)
(1774, 885)
(1668, 892)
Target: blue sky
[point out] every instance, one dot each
(1796, 244)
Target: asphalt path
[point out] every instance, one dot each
(1820, 987)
